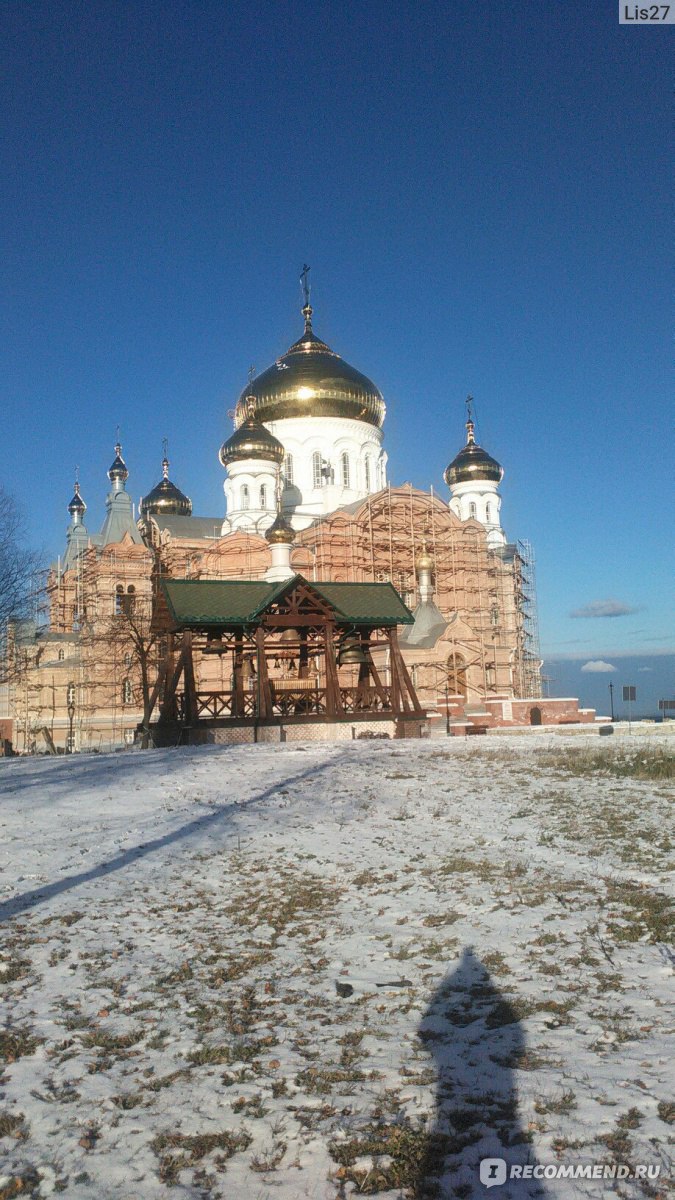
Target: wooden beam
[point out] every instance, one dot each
(393, 672)
(409, 698)
(238, 674)
(411, 687)
(295, 620)
(303, 656)
(334, 706)
(264, 690)
(166, 710)
(403, 698)
(161, 676)
(190, 689)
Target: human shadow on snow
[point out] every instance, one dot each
(222, 815)
(476, 1040)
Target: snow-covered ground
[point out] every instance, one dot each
(320, 971)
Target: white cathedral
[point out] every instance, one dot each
(307, 494)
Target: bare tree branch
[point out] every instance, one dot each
(19, 570)
(130, 631)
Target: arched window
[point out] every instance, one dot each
(488, 513)
(245, 496)
(288, 468)
(70, 695)
(126, 692)
(130, 599)
(61, 655)
(127, 659)
(317, 469)
(263, 496)
(344, 468)
(366, 471)
(457, 685)
(119, 599)
(472, 510)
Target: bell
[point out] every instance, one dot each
(351, 653)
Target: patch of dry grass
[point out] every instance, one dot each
(179, 1150)
(17, 1042)
(637, 911)
(642, 762)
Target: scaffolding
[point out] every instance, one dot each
(488, 593)
(487, 596)
(530, 660)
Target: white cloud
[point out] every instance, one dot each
(645, 668)
(597, 665)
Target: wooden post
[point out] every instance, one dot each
(364, 679)
(166, 711)
(190, 689)
(363, 682)
(408, 695)
(303, 656)
(264, 690)
(334, 706)
(238, 676)
(417, 707)
(161, 677)
(393, 672)
(170, 656)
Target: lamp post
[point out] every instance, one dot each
(447, 709)
(70, 705)
(611, 701)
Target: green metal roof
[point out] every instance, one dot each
(367, 603)
(215, 602)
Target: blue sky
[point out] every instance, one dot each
(481, 191)
(652, 675)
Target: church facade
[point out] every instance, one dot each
(306, 493)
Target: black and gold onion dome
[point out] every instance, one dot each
(165, 499)
(311, 380)
(251, 440)
(77, 504)
(118, 470)
(472, 463)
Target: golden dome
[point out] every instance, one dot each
(280, 532)
(424, 561)
(166, 499)
(311, 380)
(251, 440)
(472, 463)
